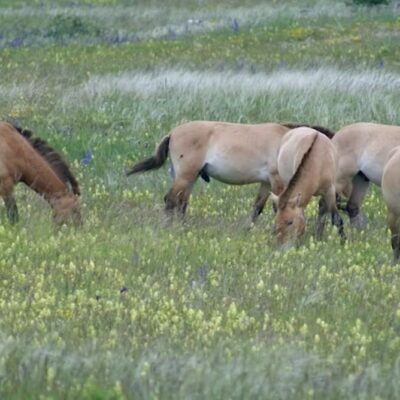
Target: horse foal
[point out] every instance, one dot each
(307, 166)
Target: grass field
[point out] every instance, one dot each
(128, 308)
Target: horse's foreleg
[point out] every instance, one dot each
(262, 197)
(394, 230)
(277, 187)
(359, 190)
(321, 219)
(12, 209)
(6, 192)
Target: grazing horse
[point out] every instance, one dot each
(232, 153)
(307, 167)
(391, 194)
(363, 150)
(32, 161)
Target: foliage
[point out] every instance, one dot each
(371, 2)
(67, 26)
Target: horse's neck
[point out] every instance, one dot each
(304, 187)
(39, 176)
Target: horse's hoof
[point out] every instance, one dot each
(359, 222)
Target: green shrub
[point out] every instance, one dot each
(66, 26)
(370, 2)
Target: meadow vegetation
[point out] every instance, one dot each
(129, 308)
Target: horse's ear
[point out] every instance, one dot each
(274, 199)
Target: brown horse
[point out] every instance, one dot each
(363, 150)
(391, 194)
(307, 166)
(33, 162)
(232, 153)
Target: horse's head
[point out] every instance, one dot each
(289, 221)
(67, 210)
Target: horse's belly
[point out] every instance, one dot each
(235, 175)
(372, 170)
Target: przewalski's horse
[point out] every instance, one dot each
(363, 150)
(307, 167)
(391, 194)
(32, 161)
(232, 153)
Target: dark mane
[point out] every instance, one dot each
(285, 196)
(326, 131)
(53, 158)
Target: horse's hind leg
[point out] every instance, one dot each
(177, 197)
(338, 222)
(359, 190)
(6, 192)
(394, 230)
(262, 197)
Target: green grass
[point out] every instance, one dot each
(129, 308)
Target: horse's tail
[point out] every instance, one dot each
(326, 131)
(155, 161)
(308, 145)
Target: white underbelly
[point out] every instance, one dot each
(372, 169)
(236, 171)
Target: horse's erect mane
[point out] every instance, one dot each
(287, 193)
(53, 158)
(326, 131)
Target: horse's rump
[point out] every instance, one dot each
(303, 147)
(326, 131)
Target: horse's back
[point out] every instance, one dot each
(365, 147)
(362, 135)
(220, 129)
(10, 144)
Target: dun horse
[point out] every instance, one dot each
(391, 194)
(307, 166)
(363, 150)
(33, 162)
(232, 153)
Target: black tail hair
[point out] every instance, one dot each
(326, 131)
(155, 161)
